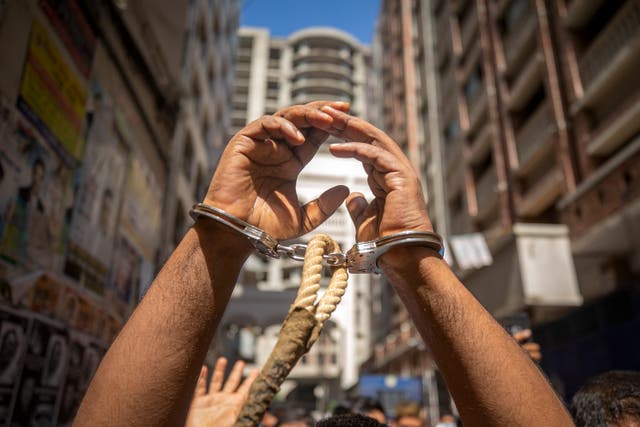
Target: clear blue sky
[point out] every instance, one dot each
(283, 17)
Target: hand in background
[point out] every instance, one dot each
(220, 405)
(256, 177)
(532, 348)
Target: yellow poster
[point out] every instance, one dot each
(52, 96)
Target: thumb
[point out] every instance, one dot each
(317, 211)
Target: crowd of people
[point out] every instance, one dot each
(149, 374)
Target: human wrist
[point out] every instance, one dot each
(407, 262)
(222, 240)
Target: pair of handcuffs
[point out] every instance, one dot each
(361, 258)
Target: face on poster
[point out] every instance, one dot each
(34, 193)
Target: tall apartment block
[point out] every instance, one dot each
(206, 82)
(522, 116)
(271, 73)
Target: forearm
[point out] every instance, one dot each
(148, 375)
(490, 377)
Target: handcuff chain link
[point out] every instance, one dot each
(361, 258)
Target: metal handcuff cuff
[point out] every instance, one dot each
(361, 258)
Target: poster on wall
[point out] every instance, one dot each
(35, 198)
(125, 276)
(85, 354)
(13, 339)
(42, 375)
(52, 96)
(141, 211)
(99, 185)
(71, 26)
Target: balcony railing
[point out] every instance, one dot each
(477, 107)
(453, 151)
(244, 53)
(323, 52)
(543, 194)
(307, 67)
(486, 191)
(469, 27)
(322, 84)
(534, 135)
(517, 42)
(622, 31)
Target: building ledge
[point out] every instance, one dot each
(623, 126)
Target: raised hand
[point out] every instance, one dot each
(532, 348)
(256, 177)
(398, 204)
(219, 405)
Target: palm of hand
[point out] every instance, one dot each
(218, 409)
(258, 185)
(219, 404)
(256, 177)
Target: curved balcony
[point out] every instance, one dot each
(331, 85)
(322, 68)
(323, 53)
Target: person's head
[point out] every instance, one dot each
(269, 420)
(611, 399)
(371, 408)
(408, 415)
(447, 420)
(295, 418)
(349, 420)
(37, 172)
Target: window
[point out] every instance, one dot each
(473, 85)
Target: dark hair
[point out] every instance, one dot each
(38, 162)
(293, 415)
(607, 399)
(368, 404)
(349, 420)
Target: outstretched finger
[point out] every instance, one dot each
(201, 384)
(380, 159)
(275, 128)
(246, 384)
(350, 128)
(234, 377)
(218, 375)
(522, 336)
(533, 350)
(317, 211)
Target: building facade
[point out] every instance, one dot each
(90, 97)
(271, 73)
(522, 117)
(201, 133)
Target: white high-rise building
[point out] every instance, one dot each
(312, 64)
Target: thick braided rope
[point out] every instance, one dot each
(311, 275)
